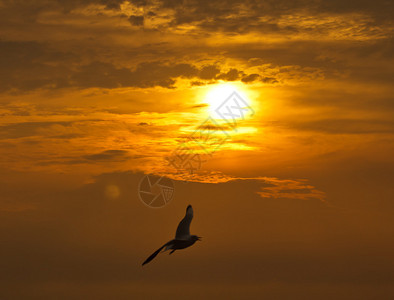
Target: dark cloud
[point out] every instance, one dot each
(345, 126)
(207, 9)
(200, 105)
(109, 155)
(31, 65)
(209, 72)
(231, 75)
(212, 72)
(146, 74)
(250, 78)
(136, 20)
(268, 80)
(243, 16)
(28, 66)
(197, 83)
(26, 129)
(106, 75)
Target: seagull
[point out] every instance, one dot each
(182, 240)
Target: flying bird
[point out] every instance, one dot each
(182, 240)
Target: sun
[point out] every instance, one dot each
(218, 94)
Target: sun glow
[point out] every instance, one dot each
(219, 93)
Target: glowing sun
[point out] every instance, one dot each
(219, 93)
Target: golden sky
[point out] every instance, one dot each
(297, 203)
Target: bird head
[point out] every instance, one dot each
(196, 238)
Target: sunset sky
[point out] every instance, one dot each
(297, 203)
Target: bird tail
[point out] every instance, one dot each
(154, 254)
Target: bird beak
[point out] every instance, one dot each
(199, 238)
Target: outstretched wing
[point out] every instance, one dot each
(183, 230)
(155, 253)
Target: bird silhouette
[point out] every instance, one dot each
(182, 240)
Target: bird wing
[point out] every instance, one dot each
(183, 230)
(155, 253)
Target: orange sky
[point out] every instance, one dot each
(295, 204)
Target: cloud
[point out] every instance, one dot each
(209, 72)
(345, 126)
(322, 46)
(109, 155)
(34, 66)
(136, 20)
(291, 189)
(30, 65)
(267, 187)
(231, 75)
(250, 78)
(26, 129)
